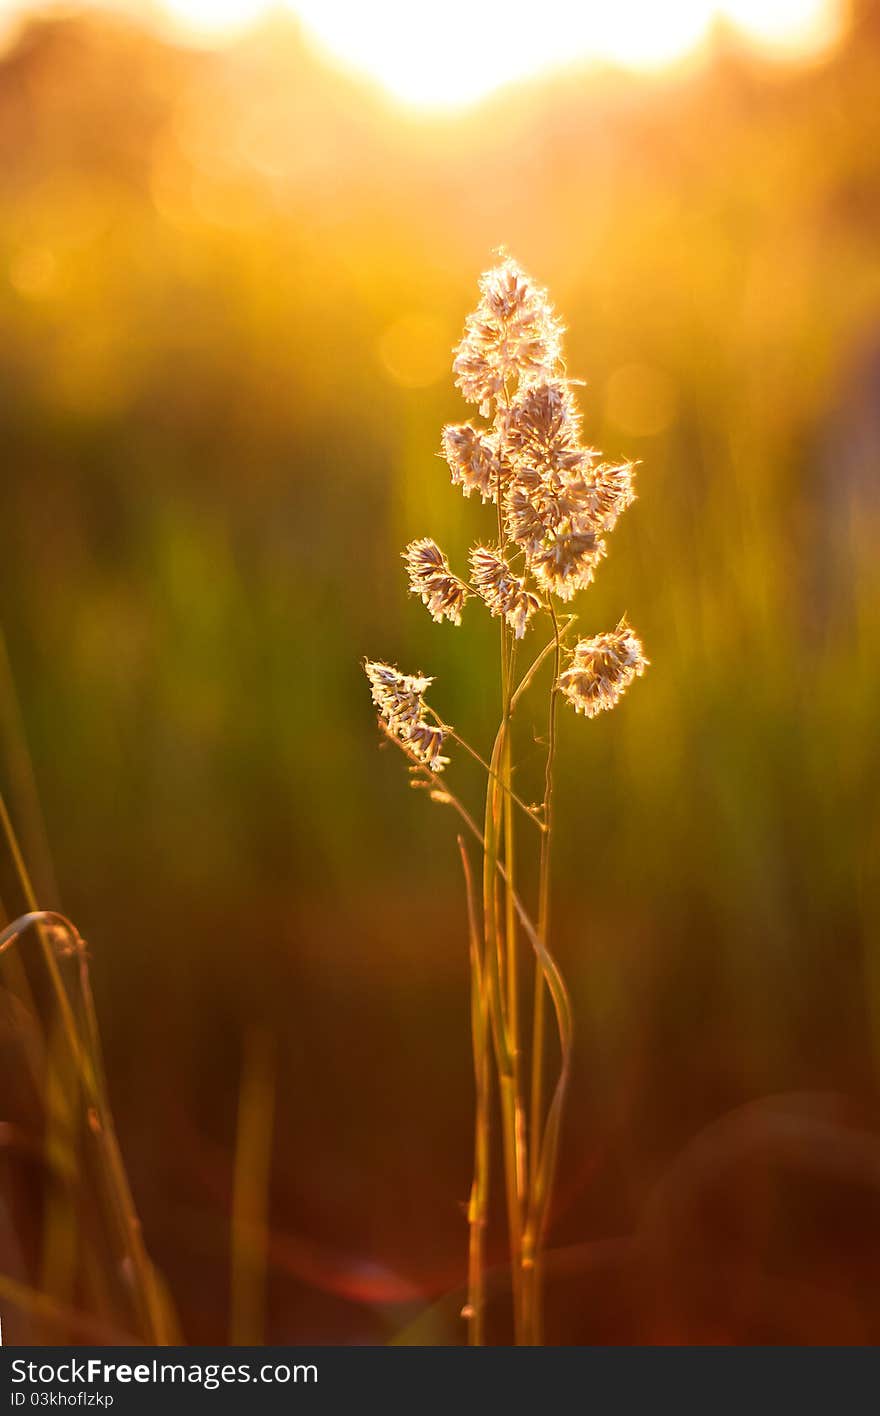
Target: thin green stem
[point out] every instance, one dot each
(510, 930)
(537, 1090)
(529, 1243)
(530, 811)
(478, 1207)
(545, 653)
(555, 982)
(493, 964)
(512, 1105)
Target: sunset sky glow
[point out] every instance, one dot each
(457, 54)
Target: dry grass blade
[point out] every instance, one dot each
(150, 1299)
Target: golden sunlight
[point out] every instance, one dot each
(455, 55)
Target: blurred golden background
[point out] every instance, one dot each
(230, 281)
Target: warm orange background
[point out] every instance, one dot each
(229, 285)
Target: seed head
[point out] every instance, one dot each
(542, 429)
(403, 712)
(473, 459)
(503, 592)
(558, 500)
(601, 670)
(556, 503)
(431, 578)
(397, 696)
(425, 741)
(512, 336)
(524, 522)
(612, 490)
(566, 562)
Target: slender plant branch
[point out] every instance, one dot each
(537, 1089)
(493, 875)
(544, 903)
(555, 982)
(500, 833)
(530, 811)
(545, 653)
(478, 1207)
(530, 1241)
(510, 931)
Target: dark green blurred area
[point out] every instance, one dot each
(230, 287)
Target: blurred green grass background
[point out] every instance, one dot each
(230, 286)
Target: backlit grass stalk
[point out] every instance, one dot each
(81, 1051)
(478, 1205)
(554, 501)
(534, 1320)
(61, 1146)
(496, 971)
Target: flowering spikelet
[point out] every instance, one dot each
(612, 491)
(512, 335)
(399, 699)
(566, 562)
(425, 741)
(431, 578)
(523, 520)
(503, 592)
(542, 429)
(473, 459)
(556, 501)
(397, 696)
(602, 669)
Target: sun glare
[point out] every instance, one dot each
(455, 53)
(463, 50)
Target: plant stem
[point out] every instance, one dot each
(510, 931)
(493, 964)
(530, 812)
(512, 1106)
(548, 649)
(478, 1207)
(512, 960)
(533, 1279)
(149, 1301)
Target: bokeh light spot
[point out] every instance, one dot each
(416, 350)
